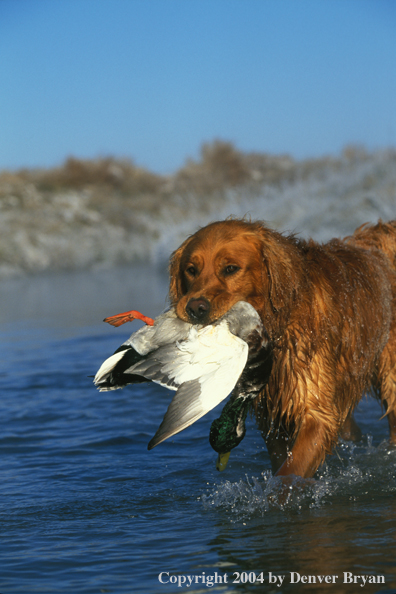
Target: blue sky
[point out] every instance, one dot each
(154, 79)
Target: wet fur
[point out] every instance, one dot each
(330, 312)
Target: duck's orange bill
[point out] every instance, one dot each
(128, 316)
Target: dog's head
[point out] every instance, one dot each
(226, 262)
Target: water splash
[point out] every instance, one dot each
(354, 474)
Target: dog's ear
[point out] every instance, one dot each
(175, 275)
(281, 265)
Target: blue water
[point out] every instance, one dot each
(85, 508)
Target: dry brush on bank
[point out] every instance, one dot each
(108, 211)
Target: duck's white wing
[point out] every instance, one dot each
(155, 366)
(200, 354)
(106, 368)
(212, 374)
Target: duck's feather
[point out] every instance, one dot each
(202, 352)
(202, 385)
(202, 364)
(167, 330)
(107, 366)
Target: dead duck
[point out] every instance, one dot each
(203, 364)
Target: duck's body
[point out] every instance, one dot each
(202, 363)
(229, 429)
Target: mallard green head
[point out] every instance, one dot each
(229, 429)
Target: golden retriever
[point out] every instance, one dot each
(330, 312)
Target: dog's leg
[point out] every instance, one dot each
(277, 445)
(350, 431)
(386, 382)
(309, 449)
(392, 426)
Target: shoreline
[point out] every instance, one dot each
(51, 222)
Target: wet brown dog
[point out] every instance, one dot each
(330, 312)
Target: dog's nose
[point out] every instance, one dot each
(198, 309)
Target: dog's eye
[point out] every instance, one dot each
(191, 270)
(231, 269)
